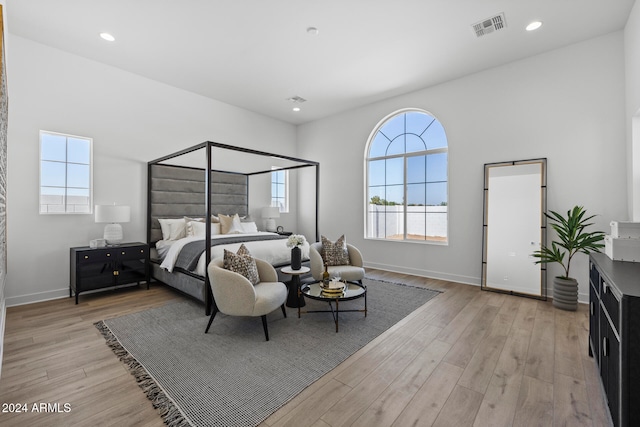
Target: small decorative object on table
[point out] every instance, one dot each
(325, 275)
(333, 288)
(294, 242)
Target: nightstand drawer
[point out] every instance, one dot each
(132, 253)
(95, 255)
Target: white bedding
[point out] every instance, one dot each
(274, 252)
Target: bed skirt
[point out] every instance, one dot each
(191, 285)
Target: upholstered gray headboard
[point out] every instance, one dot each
(175, 192)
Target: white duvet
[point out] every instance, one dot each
(274, 252)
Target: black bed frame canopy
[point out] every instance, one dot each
(289, 163)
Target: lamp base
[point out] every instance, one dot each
(113, 234)
(270, 224)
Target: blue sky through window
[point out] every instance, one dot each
(65, 173)
(426, 174)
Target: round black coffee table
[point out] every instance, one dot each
(352, 290)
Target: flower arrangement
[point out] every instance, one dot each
(295, 240)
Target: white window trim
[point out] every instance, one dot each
(66, 135)
(286, 187)
(367, 159)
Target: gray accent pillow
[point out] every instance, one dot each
(335, 253)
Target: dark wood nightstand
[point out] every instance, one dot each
(284, 233)
(108, 267)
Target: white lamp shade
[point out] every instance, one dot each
(113, 213)
(270, 212)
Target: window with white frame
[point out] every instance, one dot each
(280, 189)
(407, 179)
(65, 173)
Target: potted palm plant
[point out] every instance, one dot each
(572, 238)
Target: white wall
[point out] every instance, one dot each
(132, 120)
(3, 279)
(566, 105)
(632, 74)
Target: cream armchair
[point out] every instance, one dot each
(234, 295)
(353, 272)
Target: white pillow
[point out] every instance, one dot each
(215, 229)
(195, 229)
(173, 229)
(198, 229)
(249, 227)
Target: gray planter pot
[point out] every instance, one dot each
(565, 293)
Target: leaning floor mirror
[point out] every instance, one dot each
(514, 226)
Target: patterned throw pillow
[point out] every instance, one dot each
(335, 253)
(243, 250)
(242, 263)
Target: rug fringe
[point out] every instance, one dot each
(170, 413)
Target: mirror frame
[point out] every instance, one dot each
(543, 226)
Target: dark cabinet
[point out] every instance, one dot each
(614, 335)
(100, 268)
(610, 368)
(594, 315)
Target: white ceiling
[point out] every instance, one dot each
(256, 54)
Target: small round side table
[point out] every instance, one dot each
(295, 299)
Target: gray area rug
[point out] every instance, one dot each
(232, 376)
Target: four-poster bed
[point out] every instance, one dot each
(189, 187)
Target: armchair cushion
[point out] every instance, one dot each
(335, 253)
(242, 263)
(354, 271)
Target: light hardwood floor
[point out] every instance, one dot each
(466, 357)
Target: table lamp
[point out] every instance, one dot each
(269, 213)
(113, 215)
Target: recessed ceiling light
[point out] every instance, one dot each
(313, 31)
(296, 100)
(534, 25)
(108, 37)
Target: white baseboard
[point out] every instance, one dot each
(467, 280)
(582, 298)
(37, 297)
(475, 281)
(57, 294)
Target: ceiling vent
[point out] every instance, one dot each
(489, 25)
(297, 99)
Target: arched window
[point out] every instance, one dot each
(407, 175)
